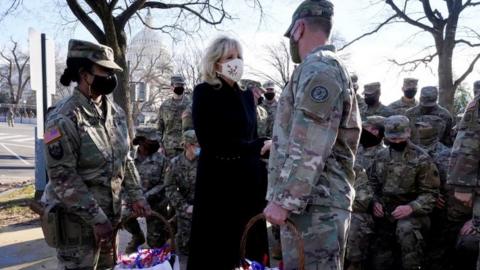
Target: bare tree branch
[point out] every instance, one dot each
(462, 41)
(87, 21)
(402, 14)
(415, 62)
(380, 26)
(123, 18)
(467, 72)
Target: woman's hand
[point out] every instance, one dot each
(266, 147)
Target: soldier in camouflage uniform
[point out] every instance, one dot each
(311, 179)
(170, 117)
(270, 104)
(464, 162)
(11, 118)
(180, 190)
(87, 160)
(428, 106)
(406, 183)
(151, 166)
(372, 92)
(362, 225)
(408, 101)
(361, 102)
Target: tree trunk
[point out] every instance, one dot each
(445, 80)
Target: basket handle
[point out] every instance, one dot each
(162, 219)
(291, 226)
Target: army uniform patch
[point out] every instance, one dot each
(319, 94)
(55, 150)
(52, 135)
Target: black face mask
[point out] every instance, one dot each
(178, 90)
(371, 100)
(103, 85)
(410, 93)
(399, 147)
(259, 100)
(269, 96)
(367, 139)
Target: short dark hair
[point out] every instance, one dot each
(320, 23)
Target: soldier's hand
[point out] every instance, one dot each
(441, 202)
(189, 209)
(103, 232)
(465, 198)
(275, 214)
(378, 210)
(141, 208)
(402, 211)
(266, 147)
(467, 228)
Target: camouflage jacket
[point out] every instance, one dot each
(378, 109)
(409, 177)
(170, 121)
(441, 157)
(465, 157)
(415, 115)
(315, 136)
(366, 156)
(87, 159)
(262, 121)
(271, 107)
(152, 172)
(402, 105)
(180, 182)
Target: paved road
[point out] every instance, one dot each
(17, 153)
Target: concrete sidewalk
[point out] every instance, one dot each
(23, 248)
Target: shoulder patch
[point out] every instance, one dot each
(53, 134)
(319, 94)
(55, 150)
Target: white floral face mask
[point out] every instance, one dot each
(233, 69)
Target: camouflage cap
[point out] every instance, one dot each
(189, 137)
(99, 54)
(269, 85)
(148, 133)
(177, 79)
(409, 83)
(372, 88)
(376, 121)
(428, 96)
(476, 85)
(397, 127)
(311, 8)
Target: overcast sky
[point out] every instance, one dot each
(368, 58)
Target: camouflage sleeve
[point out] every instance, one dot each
(131, 182)
(172, 178)
(428, 188)
(465, 156)
(317, 115)
(61, 154)
(187, 122)
(363, 190)
(375, 175)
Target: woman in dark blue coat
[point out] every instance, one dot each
(229, 190)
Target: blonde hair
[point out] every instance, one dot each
(217, 49)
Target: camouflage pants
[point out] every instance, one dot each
(182, 238)
(476, 220)
(10, 122)
(359, 237)
(407, 233)
(324, 232)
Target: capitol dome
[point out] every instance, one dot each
(147, 43)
